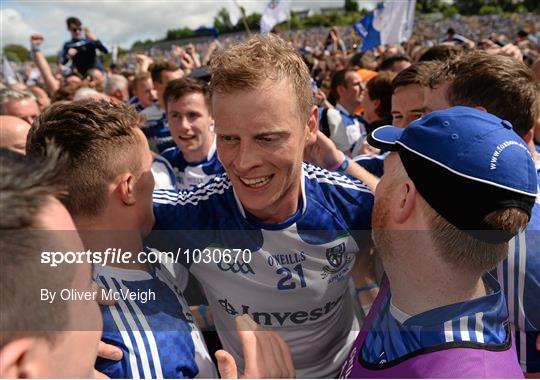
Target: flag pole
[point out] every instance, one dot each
(246, 26)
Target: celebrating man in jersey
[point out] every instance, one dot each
(296, 221)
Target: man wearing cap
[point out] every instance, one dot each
(439, 314)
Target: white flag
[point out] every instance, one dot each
(9, 74)
(234, 12)
(276, 11)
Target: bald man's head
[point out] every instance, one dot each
(13, 132)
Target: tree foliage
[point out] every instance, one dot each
(351, 6)
(15, 52)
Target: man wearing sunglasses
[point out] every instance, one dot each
(81, 50)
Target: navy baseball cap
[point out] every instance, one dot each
(465, 163)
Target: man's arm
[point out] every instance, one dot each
(51, 83)
(323, 153)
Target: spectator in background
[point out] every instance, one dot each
(13, 132)
(194, 160)
(81, 50)
(116, 86)
(96, 78)
(377, 101)
(408, 94)
(143, 91)
(341, 124)
(156, 130)
(18, 103)
(441, 53)
(395, 63)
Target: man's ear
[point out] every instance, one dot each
(406, 202)
(528, 136)
(340, 89)
(124, 187)
(24, 358)
(480, 108)
(312, 125)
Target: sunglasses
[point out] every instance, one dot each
(75, 29)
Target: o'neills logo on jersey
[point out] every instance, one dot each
(274, 318)
(338, 259)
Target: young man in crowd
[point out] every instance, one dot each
(156, 130)
(109, 196)
(194, 160)
(407, 105)
(18, 103)
(487, 82)
(144, 94)
(377, 101)
(41, 339)
(438, 305)
(341, 124)
(81, 50)
(298, 226)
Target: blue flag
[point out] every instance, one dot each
(390, 23)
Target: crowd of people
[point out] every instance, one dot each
(336, 213)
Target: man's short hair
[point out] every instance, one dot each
(179, 88)
(115, 82)
(386, 65)
(73, 21)
(26, 187)
(258, 60)
(159, 66)
(417, 73)
(504, 86)
(97, 138)
(11, 94)
(441, 53)
(139, 78)
(380, 87)
(463, 250)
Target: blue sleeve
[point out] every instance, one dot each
(373, 164)
(98, 45)
(63, 56)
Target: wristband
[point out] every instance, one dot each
(344, 165)
(202, 313)
(339, 164)
(35, 48)
(366, 288)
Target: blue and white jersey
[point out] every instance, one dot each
(86, 56)
(157, 335)
(346, 131)
(134, 101)
(519, 276)
(190, 174)
(156, 129)
(393, 334)
(373, 164)
(164, 176)
(291, 276)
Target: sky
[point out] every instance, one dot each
(121, 22)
